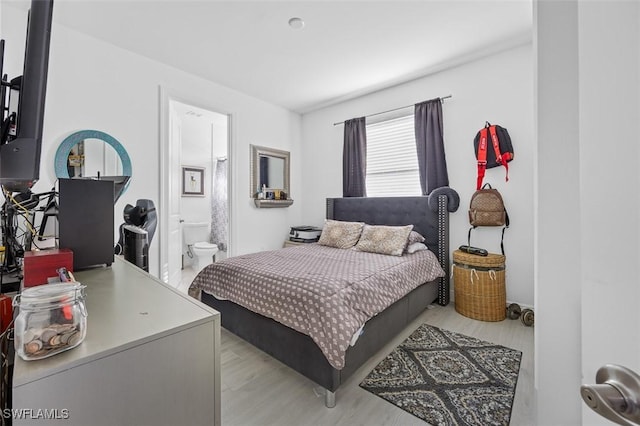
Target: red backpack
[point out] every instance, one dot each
(500, 155)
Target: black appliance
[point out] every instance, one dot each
(136, 233)
(86, 221)
(119, 183)
(136, 246)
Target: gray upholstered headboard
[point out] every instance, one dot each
(429, 216)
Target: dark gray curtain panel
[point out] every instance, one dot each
(430, 145)
(264, 171)
(354, 158)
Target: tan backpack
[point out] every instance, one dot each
(487, 209)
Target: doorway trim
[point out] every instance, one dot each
(167, 96)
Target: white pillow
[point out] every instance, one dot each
(416, 247)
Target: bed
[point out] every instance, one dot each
(303, 353)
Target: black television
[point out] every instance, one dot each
(22, 119)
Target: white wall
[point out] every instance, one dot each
(220, 132)
(498, 89)
(94, 85)
(204, 140)
(588, 95)
(557, 254)
(197, 150)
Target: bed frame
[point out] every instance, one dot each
(430, 217)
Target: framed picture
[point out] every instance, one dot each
(192, 181)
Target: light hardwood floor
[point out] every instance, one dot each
(258, 390)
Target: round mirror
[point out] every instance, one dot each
(94, 154)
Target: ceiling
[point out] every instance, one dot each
(346, 48)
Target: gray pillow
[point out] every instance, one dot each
(340, 234)
(414, 237)
(384, 239)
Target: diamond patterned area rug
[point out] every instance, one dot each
(446, 378)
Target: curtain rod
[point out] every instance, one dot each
(391, 110)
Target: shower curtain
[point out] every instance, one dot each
(219, 202)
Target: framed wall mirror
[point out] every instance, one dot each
(92, 154)
(270, 177)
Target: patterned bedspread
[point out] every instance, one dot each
(326, 293)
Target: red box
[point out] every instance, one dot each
(6, 311)
(42, 264)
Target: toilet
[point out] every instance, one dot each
(195, 236)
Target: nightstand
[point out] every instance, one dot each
(289, 243)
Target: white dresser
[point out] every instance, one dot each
(151, 357)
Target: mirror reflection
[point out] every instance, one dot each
(87, 154)
(93, 157)
(270, 170)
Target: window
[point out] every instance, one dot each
(392, 160)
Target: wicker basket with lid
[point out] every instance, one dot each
(479, 286)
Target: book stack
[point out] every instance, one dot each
(304, 234)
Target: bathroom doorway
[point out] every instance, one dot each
(196, 175)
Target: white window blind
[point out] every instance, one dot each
(392, 161)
